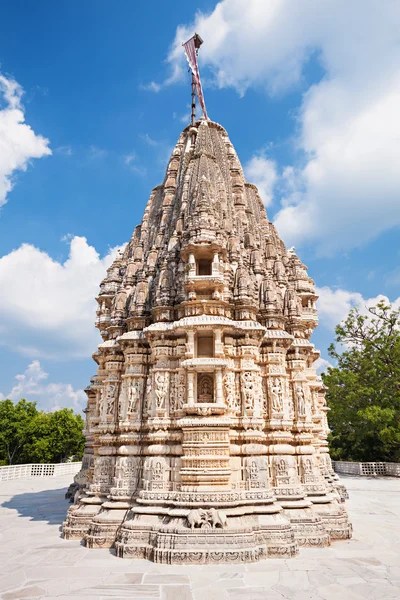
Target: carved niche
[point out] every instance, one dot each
(103, 473)
(256, 472)
(156, 474)
(205, 387)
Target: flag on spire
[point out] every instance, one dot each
(191, 47)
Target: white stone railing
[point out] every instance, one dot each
(38, 470)
(367, 469)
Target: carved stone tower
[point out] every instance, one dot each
(206, 421)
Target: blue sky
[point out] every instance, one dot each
(308, 96)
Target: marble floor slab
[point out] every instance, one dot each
(35, 562)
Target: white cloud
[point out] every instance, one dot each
(48, 309)
(263, 173)
(183, 118)
(18, 142)
(149, 140)
(33, 386)
(334, 305)
(130, 160)
(347, 181)
(65, 150)
(152, 86)
(350, 186)
(321, 365)
(96, 153)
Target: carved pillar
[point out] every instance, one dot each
(215, 264)
(190, 344)
(190, 388)
(218, 386)
(219, 347)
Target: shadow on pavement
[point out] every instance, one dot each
(47, 505)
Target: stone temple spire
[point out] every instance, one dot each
(206, 422)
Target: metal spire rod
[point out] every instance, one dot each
(193, 100)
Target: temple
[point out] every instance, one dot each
(206, 422)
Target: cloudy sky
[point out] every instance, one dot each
(93, 96)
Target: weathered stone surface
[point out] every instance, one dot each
(206, 422)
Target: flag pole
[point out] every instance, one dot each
(192, 50)
(193, 101)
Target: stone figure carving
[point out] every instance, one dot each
(206, 388)
(157, 471)
(148, 396)
(218, 518)
(156, 474)
(252, 471)
(122, 400)
(110, 398)
(282, 468)
(181, 390)
(196, 517)
(206, 519)
(230, 390)
(300, 400)
(248, 387)
(101, 397)
(134, 390)
(256, 472)
(276, 394)
(103, 470)
(161, 380)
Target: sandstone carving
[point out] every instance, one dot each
(206, 423)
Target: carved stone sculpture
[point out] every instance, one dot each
(206, 422)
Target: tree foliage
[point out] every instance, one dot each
(28, 435)
(364, 388)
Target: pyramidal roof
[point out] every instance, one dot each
(205, 210)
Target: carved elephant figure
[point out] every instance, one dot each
(218, 518)
(196, 517)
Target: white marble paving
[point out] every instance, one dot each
(35, 562)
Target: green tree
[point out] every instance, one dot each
(66, 435)
(14, 422)
(364, 388)
(28, 435)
